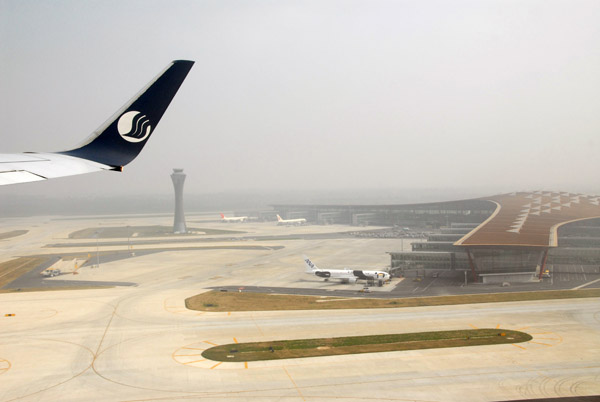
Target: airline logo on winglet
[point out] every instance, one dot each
(134, 126)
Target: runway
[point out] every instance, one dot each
(140, 343)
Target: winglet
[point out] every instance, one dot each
(121, 138)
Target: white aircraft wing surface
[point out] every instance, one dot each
(23, 168)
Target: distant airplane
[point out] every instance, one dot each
(113, 145)
(299, 221)
(345, 275)
(225, 219)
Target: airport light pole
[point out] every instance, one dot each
(128, 236)
(97, 234)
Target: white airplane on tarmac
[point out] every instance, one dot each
(233, 219)
(346, 275)
(299, 221)
(113, 145)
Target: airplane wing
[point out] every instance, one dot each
(113, 145)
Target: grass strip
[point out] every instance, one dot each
(142, 231)
(53, 288)
(236, 301)
(13, 269)
(298, 348)
(13, 233)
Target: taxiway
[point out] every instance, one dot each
(139, 342)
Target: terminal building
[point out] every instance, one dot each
(507, 237)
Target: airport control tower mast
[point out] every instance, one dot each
(178, 178)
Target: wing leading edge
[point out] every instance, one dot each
(113, 145)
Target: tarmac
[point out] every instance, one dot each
(136, 341)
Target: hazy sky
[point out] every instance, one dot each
(501, 95)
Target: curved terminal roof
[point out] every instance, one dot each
(531, 218)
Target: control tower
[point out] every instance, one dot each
(178, 178)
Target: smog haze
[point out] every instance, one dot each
(436, 99)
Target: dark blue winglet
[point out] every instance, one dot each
(118, 141)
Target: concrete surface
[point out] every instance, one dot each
(134, 343)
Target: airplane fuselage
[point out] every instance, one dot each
(350, 275)
(233, 219)
(298, 221)
(345, 275)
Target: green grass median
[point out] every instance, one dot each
(246, 301)
(256, 351)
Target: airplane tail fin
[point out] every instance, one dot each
(121, 138)
(310, 267)
(278, 218)
(222, 216)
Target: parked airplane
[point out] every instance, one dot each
(113, 145)
(299, 221)
(346, 275)
(233, 219)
